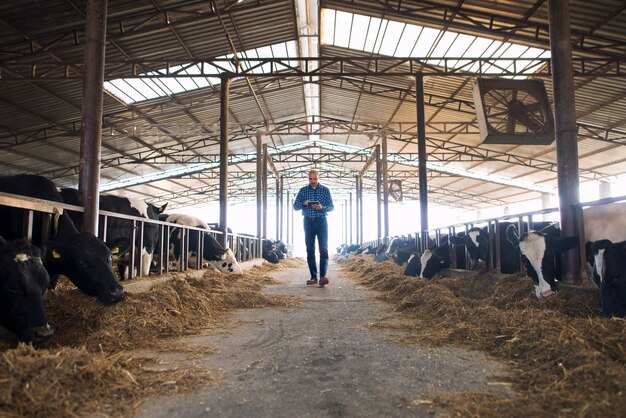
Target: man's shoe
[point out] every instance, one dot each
(324, 281)
(311, 281)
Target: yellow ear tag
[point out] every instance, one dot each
(56, 254)
(115, 250)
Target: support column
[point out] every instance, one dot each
(421, 156)
(225, 103)
(378, 181)
(351, 217)
(565, 129)
(91, 138)
(356, 194)
(277, 207)
(385, 186)
(287, 218)
(259, 190)
(264, 174)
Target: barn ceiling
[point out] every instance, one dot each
(162, 98)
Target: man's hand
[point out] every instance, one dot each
(317, 206)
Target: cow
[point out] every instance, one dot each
(429, 263)
(610, 270)
(80, 256)
(269, 252)
(476, 241)
(540, 253)
(220, 258)
(23, 281)
(121, 229)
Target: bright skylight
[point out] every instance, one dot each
(386, 37)
(133, 90)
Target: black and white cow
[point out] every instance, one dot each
(220, 258)
(23, 281)
(80, 256)
(429, 263)
(610, 270)
(541, 254)
(603, 222)
(476, 241)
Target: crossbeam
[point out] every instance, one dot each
(313, 67)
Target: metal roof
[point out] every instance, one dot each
(166, 147)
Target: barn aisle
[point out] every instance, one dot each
(321, 359)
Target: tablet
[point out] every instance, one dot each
(313, 202)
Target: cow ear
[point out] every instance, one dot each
(119, 246)
(162, 208)
(65, 226)
(566, 243)
(3, 243)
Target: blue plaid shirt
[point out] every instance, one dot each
(321, 194)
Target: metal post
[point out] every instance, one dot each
(259, 190)
(287, 216)
(385, 186)
(421, 151)
(565, 129)
(264, 174)
(277, 207)
(356, 195)
(378, 180)
(91, 138)
(282, 206)
(350, 217)
(224, 105)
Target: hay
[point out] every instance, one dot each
(85, 367)
(43, 383)
(566, 359)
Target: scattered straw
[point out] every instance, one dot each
(85, 367)
(566, 359)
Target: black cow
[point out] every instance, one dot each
(23, 281)
(610, 268)
(81, 257)
(217, 256)
(121, 229)
(269, 252)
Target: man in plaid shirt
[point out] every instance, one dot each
(315, 202)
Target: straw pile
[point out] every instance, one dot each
(88, 366)
(565, 359)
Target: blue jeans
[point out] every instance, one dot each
(316, 227)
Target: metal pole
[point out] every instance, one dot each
(91, 138)
(361, 206)
(385, 186)
(350, 217)
(277, 207)
(282, 206)
(287, 216)
(565, 129)
(378, 180)
(421, 151)
(259, 190)
(264, 175)
(224, 103)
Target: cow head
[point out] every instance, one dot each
(477, 243)
(85, 260)
(23, 281)
(413, 266)
(433, 261)
(541, 255)
(227, 262)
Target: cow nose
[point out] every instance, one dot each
(115, 295)
(42, 333)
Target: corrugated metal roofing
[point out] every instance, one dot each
(40, 122)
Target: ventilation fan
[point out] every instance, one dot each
(395, 190)
(513, 112)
